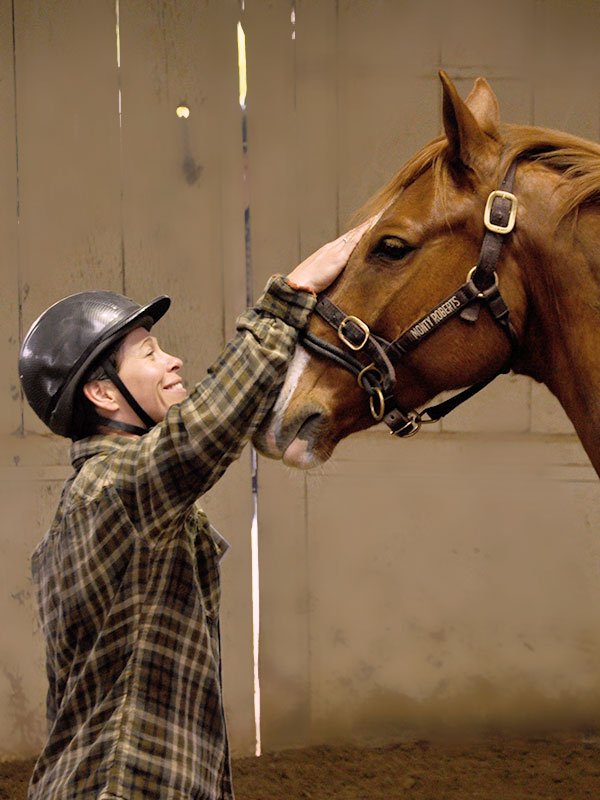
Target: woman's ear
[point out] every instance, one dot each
(103, 394)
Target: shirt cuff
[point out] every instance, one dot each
(290, 304)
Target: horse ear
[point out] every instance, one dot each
(483, 105)
(469, 124)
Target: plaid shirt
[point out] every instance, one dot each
(127, 584)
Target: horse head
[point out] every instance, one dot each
(426, 237)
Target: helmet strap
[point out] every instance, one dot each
(116, 425)
(131, 401)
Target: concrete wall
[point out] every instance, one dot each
(447, 580)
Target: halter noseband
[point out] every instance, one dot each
(378, 378)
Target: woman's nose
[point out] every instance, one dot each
(174, 363)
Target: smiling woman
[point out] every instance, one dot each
(127, 578)
(150, 375)
(76, 341)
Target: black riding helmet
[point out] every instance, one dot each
(66, 340)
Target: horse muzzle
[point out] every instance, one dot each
(297, 441)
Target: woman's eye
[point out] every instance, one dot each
(392, 248)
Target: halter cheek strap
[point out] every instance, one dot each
(379, 378)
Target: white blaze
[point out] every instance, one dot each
(296, 368)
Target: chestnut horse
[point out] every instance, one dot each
(413, 310)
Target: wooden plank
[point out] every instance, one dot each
(273, 172)
(292, 153)
(28, 506)
(565, 95)
(296, 174)
(285, 646)
(316, 123)
(184, 236)
(230, 502)
(10, 401)
(171, 190)
(69, 240)
(479, 37)
(229, 507)
(293, 172)
(388, 95)
(69, 227)
(233, 161)
(410, 599)
(566, 63)
(272, 142)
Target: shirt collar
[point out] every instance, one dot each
(100, 444)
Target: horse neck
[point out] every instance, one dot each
(561, 338)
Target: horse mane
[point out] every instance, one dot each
(576, 159)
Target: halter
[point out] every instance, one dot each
(378, 378)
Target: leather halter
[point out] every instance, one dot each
(378, 378)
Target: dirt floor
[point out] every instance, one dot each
(556, 767)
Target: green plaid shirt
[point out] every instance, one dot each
(127, 584)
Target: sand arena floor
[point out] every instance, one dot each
(545, 767)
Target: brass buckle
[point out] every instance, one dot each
(377, 415)
(415, 422)
(374, 391)
(362, 325)
(491, 226)
(370, 368)
(481, 295)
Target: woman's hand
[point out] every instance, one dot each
(323, 266)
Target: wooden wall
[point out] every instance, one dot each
(141, 202)
(406, 584)
(448, 580)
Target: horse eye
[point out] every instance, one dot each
(392, 248)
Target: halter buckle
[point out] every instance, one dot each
(410, 428)
(370, 368)
(360, 324)
(487, 214)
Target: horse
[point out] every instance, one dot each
(483, 256)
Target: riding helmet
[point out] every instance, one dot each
(66, 340)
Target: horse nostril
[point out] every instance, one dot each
(302, 441)
(309, 429)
